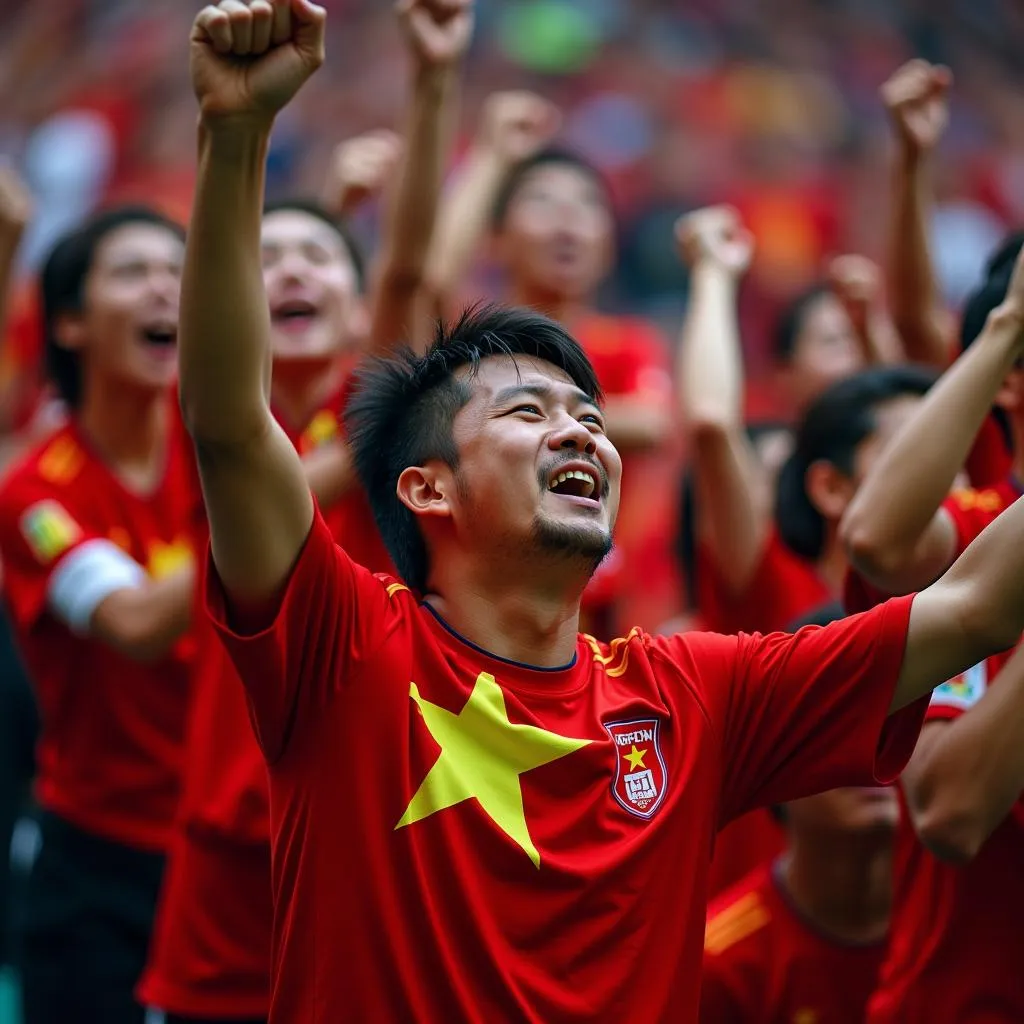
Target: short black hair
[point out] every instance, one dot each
(402, 410)
(832, 429)
(791, 321)
(822, 615)
(686, 533)
(992, 290)
(547, 157)
(301, 204)
(62, 286)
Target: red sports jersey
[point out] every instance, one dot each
(743, 846)
(764, 963)
(210, 953)
(110, 751)
(460, 837)
(955, 952)
(784, 587)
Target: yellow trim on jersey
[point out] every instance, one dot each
(737, 921)
(394, 588)
(617, 658)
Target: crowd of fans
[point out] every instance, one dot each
(782, 234)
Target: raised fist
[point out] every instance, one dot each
(515, 125)
(715, 235)
(250, 57)
(857, 283)
(917, 98)
(360, 168)
(438, 31)
(15, 201)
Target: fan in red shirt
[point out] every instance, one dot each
(476, 811)
(552, 228)
(97, 539)
(802, 939)
(959, 892)
(211, 952)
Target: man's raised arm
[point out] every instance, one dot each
(247, 61)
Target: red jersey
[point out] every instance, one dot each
(764, 963)
(110, 751)
(783, 588)
(955, 952)
(461, 837)
(743, 846)
(210, 951)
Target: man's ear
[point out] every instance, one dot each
(69, 331)
(425, 490)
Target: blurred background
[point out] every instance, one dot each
(768, 104)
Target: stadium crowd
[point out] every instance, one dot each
(517, 523)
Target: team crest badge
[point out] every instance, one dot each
(640, 775)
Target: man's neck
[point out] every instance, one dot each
(833, 563)
(532, 622)
(564, 310)
(842, 885)
(298, 391)
(128, 430)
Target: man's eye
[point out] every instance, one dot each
(528, 408)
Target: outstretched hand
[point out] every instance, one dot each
(248, 58)
(438, 31)
(715, 234)
(517, 124)
(361, 168)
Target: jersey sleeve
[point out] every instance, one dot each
(38, 531)
(805, 712)
(971, 511)
(330, 615)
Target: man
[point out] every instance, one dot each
(210, 959)
(959, 895)
(802, 939)
(96, 535)
(479, 813)
(553, 231)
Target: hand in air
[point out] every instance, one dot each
(438, 31)
(248, 59)
(716, 235)
(517, 124)
(360, 169)
(857, 283)
(917, 98)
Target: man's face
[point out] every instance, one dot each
(312, 288)
(557, 237)
(537, 475)
(826, 350)
(851, 811)
(128, 328)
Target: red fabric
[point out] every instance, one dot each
(783, 588)
(210, 953)
(764, 962)
(743, 846)
(451, 830)
(955, 948)
(110, 753)
(991, 460)
(631, 361)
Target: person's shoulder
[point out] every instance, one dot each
(738, 918)
(53, 466)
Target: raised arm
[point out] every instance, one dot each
(438, 33)
(732, 497)
(15, 213)
(360, 168)
(247, 62)
(900, 538)
(857, 283)
(513, 126)
(916, 97)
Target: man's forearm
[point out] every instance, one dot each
(224, 351)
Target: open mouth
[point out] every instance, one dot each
(294, 314)
(574, 483)
(160, 335)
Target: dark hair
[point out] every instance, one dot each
(992, 290)
(686, 536)
(321, 213)
(822, 615)
(62, 286)
(548, 157)
(791, 321)
(402, 410)
(832, 429)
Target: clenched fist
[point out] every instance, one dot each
(715, 235)
(360, 168)
(857, 283)
(250, 57)
(917, 98)
(438, 31)
(515, 125)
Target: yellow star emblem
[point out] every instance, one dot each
(635, 758)
(482, 756)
